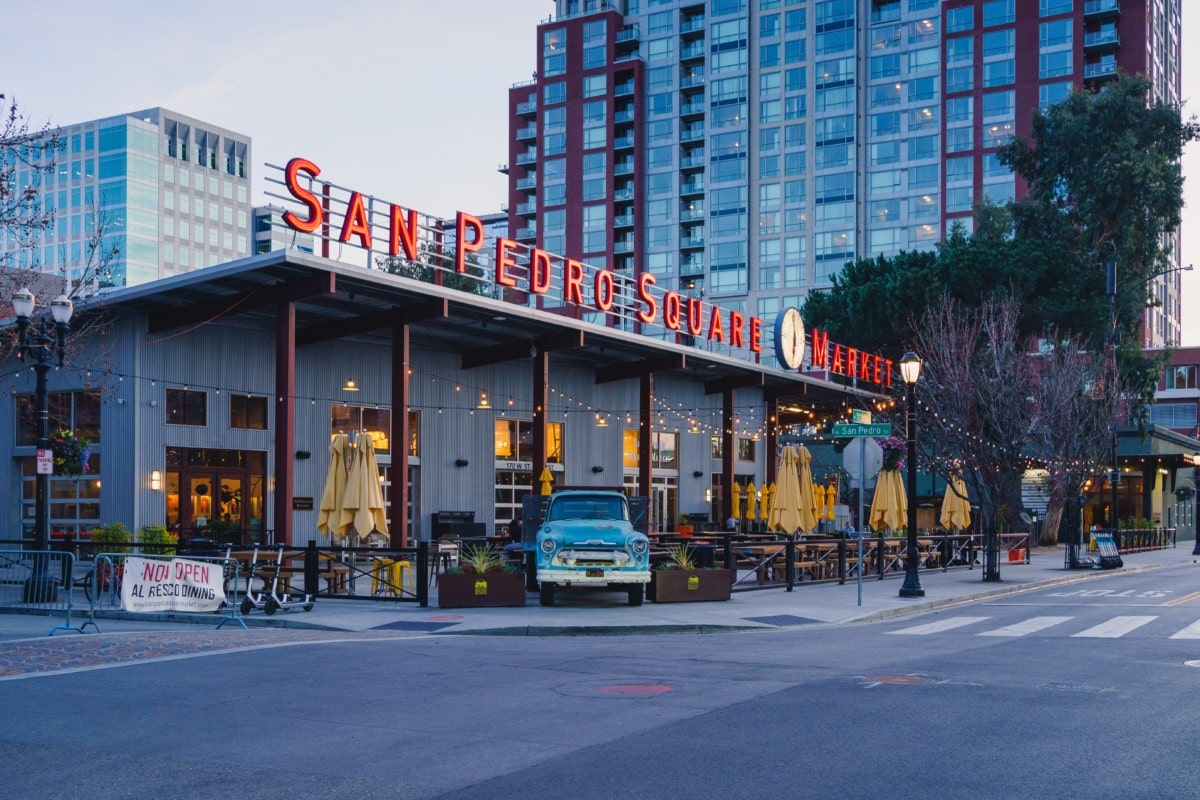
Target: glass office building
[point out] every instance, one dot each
(158, 192)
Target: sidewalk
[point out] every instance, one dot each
(606, 612)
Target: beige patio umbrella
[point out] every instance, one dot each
(785, 515)
(362, 505)
(768, 497)
(329, 518)
(956, 507)
(751, 502)
(809, 518)
(889, 506)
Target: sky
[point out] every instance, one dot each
(406, 100)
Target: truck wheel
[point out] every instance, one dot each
(637, 593)
(547, 590)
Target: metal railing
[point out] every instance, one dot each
(39, 581)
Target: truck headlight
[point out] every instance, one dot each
(548, 546)
(639, 546)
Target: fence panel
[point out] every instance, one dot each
(103, 584)
(38, 580)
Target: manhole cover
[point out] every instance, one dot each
(632, 689)
(782, 620)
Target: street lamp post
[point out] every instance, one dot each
(910, 371)
(38, 344)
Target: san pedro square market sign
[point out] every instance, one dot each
(370, 224)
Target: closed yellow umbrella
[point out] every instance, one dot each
(808, 500)
(362, 504)
(751, 501)
(785, 514)
(956, 507)
(547, 479)
(889, 506)
(830, 501)
(329, 518)
(768, 497)
(736, 513)
(819, 498)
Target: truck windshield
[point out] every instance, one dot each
(587, 508)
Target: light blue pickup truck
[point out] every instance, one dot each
(588, 539)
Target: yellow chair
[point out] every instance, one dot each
(391, 576)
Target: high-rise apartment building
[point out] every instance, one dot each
(744, 150)
(170, 194)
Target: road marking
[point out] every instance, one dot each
(1178, 601)
(941, 625)
(1032, 625)
(1114, 628)
(1190, 632)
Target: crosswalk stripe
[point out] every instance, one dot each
(1190, 632)
(1114, 628)
(941, 625)
(1032, 625)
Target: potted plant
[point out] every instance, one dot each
(158, 539)
(481, 579)
(677, 580)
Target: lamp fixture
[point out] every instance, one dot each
(483, 401)
(350, 386)
(460, 462)
(697, 474)
(597, 469)
(910, 368)
(601, 421)
(155, 480)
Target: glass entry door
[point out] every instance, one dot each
(221, 500)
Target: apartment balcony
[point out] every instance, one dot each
(692, 133)
(623, 142)
(622, 195)
(623, 89)
(1100, 71)
(623, 246)
(694, 241)
(692, 162)
(623, 167)
(691, 266)
(692, 25)
(694, 212)
(623, 115)
(527, 233)
(1101, 41)
(628, 34)
(693, 51)
(528, 108)
(527, 133)
(1101, 9)
(528, 208)
(693, 108)
(528, 157)
(623, 220)
(691, 188)
(693, 79)
(527, 184)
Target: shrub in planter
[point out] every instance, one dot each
(160, 540)
(678, 581)
(480, 580)
(113, 538)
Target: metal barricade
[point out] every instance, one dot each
(102, 586)
(38, 580)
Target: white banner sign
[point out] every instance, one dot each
(175, 585)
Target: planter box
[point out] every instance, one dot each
(682, 586)
(467, 590)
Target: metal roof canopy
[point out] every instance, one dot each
(336, 300)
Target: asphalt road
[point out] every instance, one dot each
(1079, 691)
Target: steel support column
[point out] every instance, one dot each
(285, 417)
(400, 434)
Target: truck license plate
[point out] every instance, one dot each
(595, 573)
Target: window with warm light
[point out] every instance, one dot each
(375, 422)
(513, 441)
(629, 448)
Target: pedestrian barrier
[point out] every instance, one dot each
(151, 583)
(38, 580)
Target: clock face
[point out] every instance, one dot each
(789, 338)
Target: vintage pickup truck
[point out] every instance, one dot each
(588, 539)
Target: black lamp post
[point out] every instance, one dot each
(39, 342)
(910, 371)
(1196, 497)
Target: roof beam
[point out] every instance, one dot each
(638, 369)
(746, 381)
(376, 320)
(521, 349)
(320, 284)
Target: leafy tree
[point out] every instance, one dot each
(424, 269)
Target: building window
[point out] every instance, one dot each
(1183, 377)
(247, 411)
(369, 420)
(187, 407)
(746, 449)
(664, 450)
(76, 411)
(1178, 416)
(513, 441)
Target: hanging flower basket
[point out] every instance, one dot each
(894, 450)
(70, 453)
